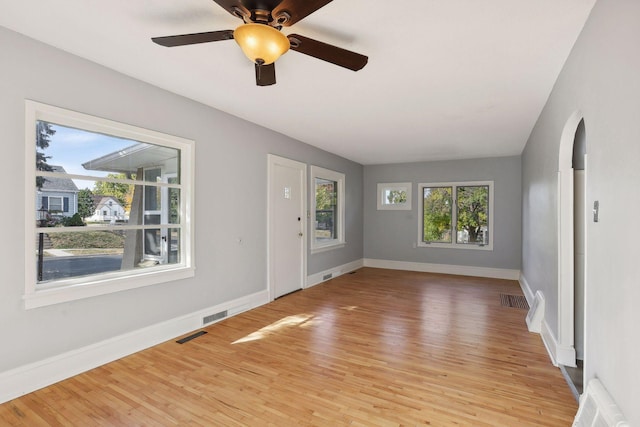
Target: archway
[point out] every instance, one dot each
(572, 219)
(573, 132)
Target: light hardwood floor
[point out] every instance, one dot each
(373, 348)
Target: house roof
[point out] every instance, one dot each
(130, 159)
(59, 184)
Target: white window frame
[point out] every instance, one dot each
(383, 203)
(100, 284)
(339, 178)
(454, 244)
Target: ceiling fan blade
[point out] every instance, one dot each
(265, 74)
(186, 39)
(326, 52)
(297, 10)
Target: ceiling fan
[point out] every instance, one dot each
(261, 40)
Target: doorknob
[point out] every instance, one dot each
(300, 234)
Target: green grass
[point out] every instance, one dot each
(86, 240)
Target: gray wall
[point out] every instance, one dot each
(231, 161)
(392, 235)
(600, 79)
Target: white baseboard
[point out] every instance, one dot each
(559, 354)
(526, 289)
(28, 378)
(549, 341)
(566, 355)
(323, 276)
(461, 270)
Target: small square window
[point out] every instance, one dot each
(394, 196)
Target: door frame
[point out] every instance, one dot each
(272, 161)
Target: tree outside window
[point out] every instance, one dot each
(456, 214)
(328, 209)
(437, 214)
(473, 211)
(326, 205)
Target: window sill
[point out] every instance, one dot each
(455, 246)
(328, 247)
(57, 295)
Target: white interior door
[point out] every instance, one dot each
(287, 219)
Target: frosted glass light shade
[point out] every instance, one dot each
(261, 43)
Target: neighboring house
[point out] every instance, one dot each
(107, 209)
(58, 196)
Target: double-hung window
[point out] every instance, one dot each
(139, 180)
(456, 215)
(327, 209)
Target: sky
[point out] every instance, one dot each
(71, 147)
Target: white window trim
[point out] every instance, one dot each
(453, 244)
(401, 186)
(322, 173)
(78, 288)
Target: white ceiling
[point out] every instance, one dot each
(446, 79)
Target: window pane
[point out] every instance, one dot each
(110, 204)
(174, 205)
(90, 252)
(152, 175)
(71, 254)
(153, 242)
(472, 209)
(80, 152)
(326, 210)
(152, 198)
(110, 197)
(174, 245)
(437, 204)
(393, 197)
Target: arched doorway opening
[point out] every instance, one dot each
(572, 249)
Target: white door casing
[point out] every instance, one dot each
(286, 225)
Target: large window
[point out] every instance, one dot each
(110, 207)
(456, 215)
(327, 209)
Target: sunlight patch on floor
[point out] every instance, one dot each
(300, 320)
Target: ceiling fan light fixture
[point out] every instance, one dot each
(261, 43)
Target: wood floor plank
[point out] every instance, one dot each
(374, 348)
